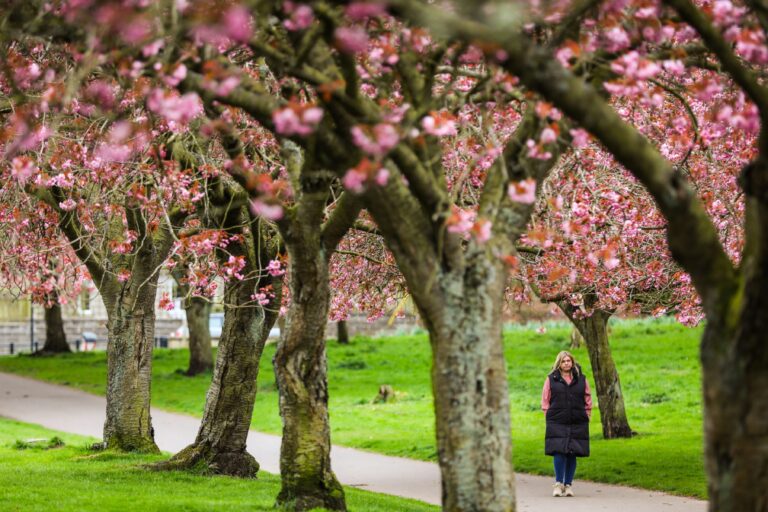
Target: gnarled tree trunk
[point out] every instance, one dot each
(55, 337)
(131, 332)
(301, 370)
(594, 329)
(220, 444)
(198, 311)
(469, 380)
(221, 440)
(734, 355)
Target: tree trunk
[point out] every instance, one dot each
(342, 332)
(131, 332)
(220, 445)
(55, 337)
(469, 379)
(594, 329)
(301, 370)
(607, 385)
(734, 353)
(198, 311)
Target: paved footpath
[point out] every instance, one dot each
(77, 412)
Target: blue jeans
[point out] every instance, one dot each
(565, 468)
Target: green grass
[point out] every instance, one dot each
(71, 478)
(657, 360)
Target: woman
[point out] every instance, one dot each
(567, 403)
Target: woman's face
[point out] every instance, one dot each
(566, 364)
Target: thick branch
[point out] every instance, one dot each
(341, 220)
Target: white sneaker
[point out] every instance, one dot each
(568, 490)
(557, 490)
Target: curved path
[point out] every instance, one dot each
(77, 412)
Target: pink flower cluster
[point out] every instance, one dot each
(268, 210)
(233, 266)
(376, 141)
(297, 119)
(301, 16)
(177, 110)
(523, 191)
(465, 222)
(275, 268)
(439, 124)
(365, 172)
(351, 39)
(22, 169)
(166, 302)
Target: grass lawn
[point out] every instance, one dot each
(72, 478)
(657, 360)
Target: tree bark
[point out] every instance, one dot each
(131, 332)
(220, 445)
(342, 332)
(469, 379)
(198, 311)
(55, 337)
(301, 370)
(594, 329)
(734, 355)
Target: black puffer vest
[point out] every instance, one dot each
(567, 420)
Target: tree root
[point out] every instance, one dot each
(202, 459)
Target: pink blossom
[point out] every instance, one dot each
(360, 11)
(439, 124)
(177, 109)
(674, 67)
(179, 73)
(295, 120)
(100, 93)
(124, 275)
(301, 17)
(564, 55)
(523, 191)
(234, 265)
(268, 211)
(460, 221)
(548, 136)
(617, 39)
(68, 205)
(226, 86)
(579, 137)
(353, 180)
(135, 31)
(25, 75)
(166, 302)
(351, 39)
(23, 168)
(385, 137)
(382, 177)
(481, 230)
(537, 151)
(237, 24)
(274, 268)
(152, 48)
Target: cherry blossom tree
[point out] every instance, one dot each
(729, 40)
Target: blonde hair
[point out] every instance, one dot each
(559, 359)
